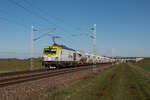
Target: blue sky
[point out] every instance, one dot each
(123, 25)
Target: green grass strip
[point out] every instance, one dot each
(118, 83)
(13, 65)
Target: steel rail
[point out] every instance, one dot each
(20, 79)
(11, 74)
(21, 72)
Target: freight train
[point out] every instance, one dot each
(57, 56)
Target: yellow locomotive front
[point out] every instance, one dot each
(50, 56)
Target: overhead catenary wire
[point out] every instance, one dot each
(27, 10)
(13, 22)
(43, 35)
(10, 20)
(36, 14)
(45, 13)
(53, 17)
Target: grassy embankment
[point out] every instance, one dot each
(145, 64)
(121, 82)
(11, 65)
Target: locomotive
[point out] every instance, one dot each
(57, 56)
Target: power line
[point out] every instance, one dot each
(34, 13)
(44, 12)
(27, 10)
(10, 21)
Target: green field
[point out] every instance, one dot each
(144, 64)
(11, 65)
(121, 82)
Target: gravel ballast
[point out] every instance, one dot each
(38, 89)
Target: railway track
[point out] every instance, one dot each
(15, 78)
(21, 72)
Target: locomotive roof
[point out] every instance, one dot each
(63, 47)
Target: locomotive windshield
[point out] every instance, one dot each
(50, 50)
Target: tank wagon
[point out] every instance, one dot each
(57, 56)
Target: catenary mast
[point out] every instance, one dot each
(94, 39)
(32, 48)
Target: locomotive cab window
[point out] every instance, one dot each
(46, 51)
(50, 51)
(53, 51)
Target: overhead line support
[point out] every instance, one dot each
(32, 49)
